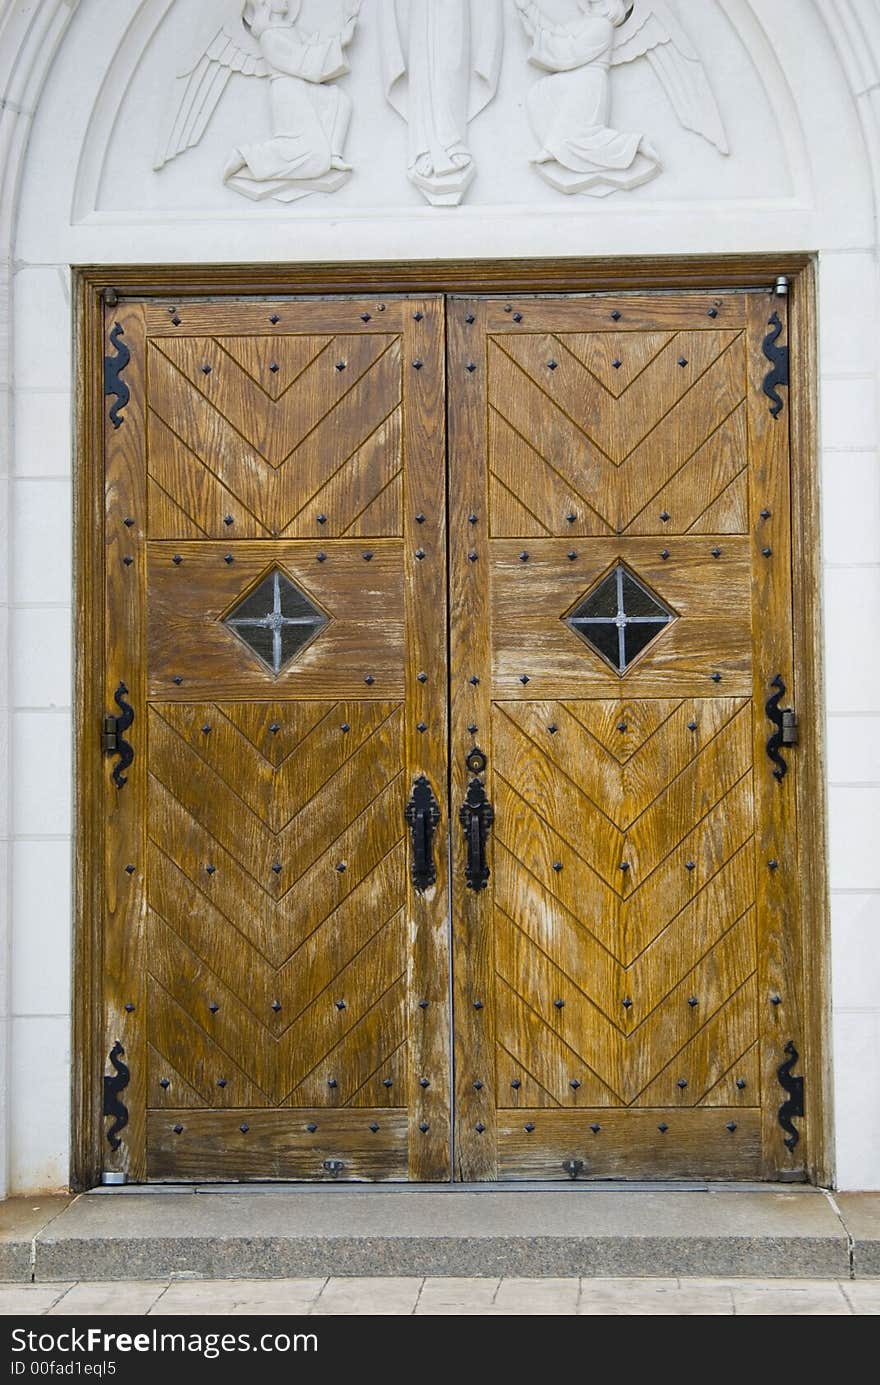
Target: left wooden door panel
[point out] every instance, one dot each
(275, 984)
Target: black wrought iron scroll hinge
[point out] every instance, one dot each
(112, 1104)
(794, 1104)
(113, 382)
(476, 817)
(113, 741)
(786, 723)
(423, 817)
(778, 358)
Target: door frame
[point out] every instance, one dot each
(96, 286)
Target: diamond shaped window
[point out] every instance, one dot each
(619, 618)
(276, 620)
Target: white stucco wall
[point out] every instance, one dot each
(798, 83)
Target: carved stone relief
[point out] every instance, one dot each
(310, 118)
(441, 61)
(570, 110)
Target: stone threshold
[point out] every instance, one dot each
(304, 1231)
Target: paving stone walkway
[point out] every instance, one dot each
(450, 1297)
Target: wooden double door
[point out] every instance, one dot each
(449, 832)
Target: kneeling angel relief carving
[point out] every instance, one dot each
(580, 151)
(310, 117)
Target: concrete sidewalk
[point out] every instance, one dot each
(394, 1231)
(448, 1297)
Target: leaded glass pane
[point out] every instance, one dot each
(619, 618)
(276, 620)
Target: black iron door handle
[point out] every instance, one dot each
(476, 817)
(423, 817)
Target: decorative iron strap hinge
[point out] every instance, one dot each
(112, 1104)
(794, 1086)
(786, 723)
(113, 382)
(112, 738)
(778, 358)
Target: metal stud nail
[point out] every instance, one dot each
(560, 1004)
(276, 1006)
(572, 555)
(369, 680)
(178, 1129)
(128, 522)
(322, 519)
(470, 367)
(213, 1007)
(274, 367)
(423, 1083)
(516, 1084)
(130, 870)
(557, 866)
(692, 726)
(574, 1084)
(274, 319)
(228, 519)
(129, 1008)
(422, 726)
(479, 1127)
(474, 681)
(342, 867)
(627, 1003)
(682, 1083)
(616, 316)
(206, 729)
(345, 727)
(478, 1004)
(617, 363)
(417, 364)
(682, 361)
(423, 1005)
(470, 319)
(387, 1083)
(731, 1126)
(473, 556)
(766, 514)
(275, 728)
(229, 559)
(571, 517)
(341, 1005)
(221, 1081)
(311, 1127)
(366, 317)
(367, 556)
(740, 1082)
(690, 865)
(473, 519)
(374, 1127)
(340, 365)
(525, 679)
(128, 561)
(176, 320)
(773, 865)
(422, 677)
(244, 1127)
(517, 317)
(624, 865)
(716, 677)
(529, 1128)
(524, 557)
(164, 1083)
(509, 308)
(210, 870)
(776, 1000)
(478, 1086)
(716, 552)
(693, 1001)
(417, 317)
(552, 728)
(420, 518)
(664, 554)
(767, 552)
(622, 726)
(420, 553)
(177, 560)
(473, 728)
(424, 1127)
(331, 1082)
(713, 312)
(277, 867)
(665, 516)
(206, 369)
(552, 365)
(663, 1127)
(595, 1127)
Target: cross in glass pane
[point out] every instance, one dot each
(276, 620)
(619, 618)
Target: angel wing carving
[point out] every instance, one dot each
(264, 38)
(570, 109)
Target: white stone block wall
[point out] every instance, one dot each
(78, 188)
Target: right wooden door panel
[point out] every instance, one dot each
(621, 604)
